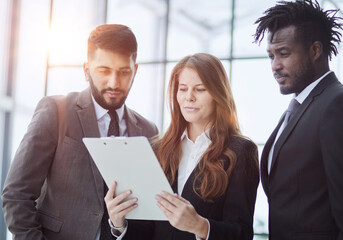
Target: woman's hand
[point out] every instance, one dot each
(182, 215)
(116, 206)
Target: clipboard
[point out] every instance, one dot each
(132, 163)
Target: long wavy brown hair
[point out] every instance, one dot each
(211, 173)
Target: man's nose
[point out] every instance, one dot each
(276, 64)
(113, 81)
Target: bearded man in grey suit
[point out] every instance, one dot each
(53, 189)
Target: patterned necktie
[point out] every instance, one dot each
(113, 130)
(292, 108)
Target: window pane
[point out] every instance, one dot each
(4, 31)
(32, 50)
(246, 13)
(2, 122)
(258, 99)
(66, 80)
(145, 96)
(72, 22)
(199, 26)
(166, 109)
(261, 208)
(21, 118)
(147, 21)
(336, 63)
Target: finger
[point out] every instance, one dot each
(165, 203)
(115, 209)
(118, 218)
(166, 212)
(121, 197)
(181, 198)
(171, 198)
(110, 193)
(124, 212)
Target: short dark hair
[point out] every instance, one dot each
(311, 22)
(114, 37)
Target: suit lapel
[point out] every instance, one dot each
(89, 124)
(86, 113)
(265, 154)
(133, 129)
(293, 122)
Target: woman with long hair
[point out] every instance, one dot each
(211, 167)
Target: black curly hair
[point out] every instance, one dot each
(311, 22)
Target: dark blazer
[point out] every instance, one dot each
(305, 185)
(53, 189)
(230, 216)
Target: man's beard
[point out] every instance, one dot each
(98, 96)
(301, 79)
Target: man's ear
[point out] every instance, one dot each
(136, 67)
(86, 70)
(316, 51)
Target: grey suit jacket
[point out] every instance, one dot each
(53, 189)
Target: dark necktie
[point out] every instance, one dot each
(113, 130)
(292, 108)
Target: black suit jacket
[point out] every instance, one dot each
(230, 216)
(53, 189)
(305, 185)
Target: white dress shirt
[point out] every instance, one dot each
(191, 155)
(104, 119)
(300, 98)
(192, 152)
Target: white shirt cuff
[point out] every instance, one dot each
(208, 233)
(119, 237)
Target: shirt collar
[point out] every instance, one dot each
(100, 112)
(304, 93)
(203, 137)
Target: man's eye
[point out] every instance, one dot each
(125, 72)
(104, 71)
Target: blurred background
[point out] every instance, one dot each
(43, 46)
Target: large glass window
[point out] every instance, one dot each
(199, 26)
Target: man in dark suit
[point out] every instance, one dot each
(302, 161)
(53, 189)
